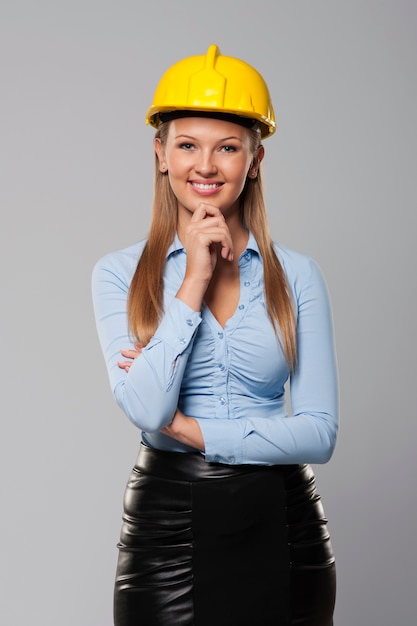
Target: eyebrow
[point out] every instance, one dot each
(194, 138)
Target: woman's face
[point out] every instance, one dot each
(208, 161)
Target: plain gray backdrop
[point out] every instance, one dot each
(76, 171)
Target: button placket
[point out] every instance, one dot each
(245, 283)
(221, 376)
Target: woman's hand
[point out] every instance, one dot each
(185, 430)
(129, 354)
(204, 237)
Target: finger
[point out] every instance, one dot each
(207, 237)
(130, 354)
(203, 210)
(227, 253)
(167, 431)
(213, 226)
(210, 221)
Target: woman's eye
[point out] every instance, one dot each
(228, 149)
(187, 146)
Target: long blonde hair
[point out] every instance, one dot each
(145, 302)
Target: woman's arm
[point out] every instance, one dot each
(148, 390)
(309, 434)
(186, 430)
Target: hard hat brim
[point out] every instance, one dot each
(156, 115)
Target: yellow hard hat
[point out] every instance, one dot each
(214, 83)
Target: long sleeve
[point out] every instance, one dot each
(309, 434)
(148, 394)
(232, 379)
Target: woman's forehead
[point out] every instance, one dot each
(206, 126)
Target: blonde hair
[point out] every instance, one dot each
(145, 302)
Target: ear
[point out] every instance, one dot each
(256, 161)
(261, 154)
(160, 153)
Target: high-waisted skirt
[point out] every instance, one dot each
(207, 544)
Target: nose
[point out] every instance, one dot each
(206, 165)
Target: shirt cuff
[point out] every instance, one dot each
(177, 327)
(223, 441)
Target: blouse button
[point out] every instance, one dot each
(182, 341)
(190, 322)
(220, 335)
(241, 306)
(247, 283)
(222, 401)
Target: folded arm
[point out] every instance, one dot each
(148, 390)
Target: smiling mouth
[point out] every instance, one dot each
(206, 186)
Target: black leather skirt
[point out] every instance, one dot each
(206, 544)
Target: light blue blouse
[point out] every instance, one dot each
(230, 379)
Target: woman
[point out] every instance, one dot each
(222, 524)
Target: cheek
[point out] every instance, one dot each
(176, 176)
(240, 169)
(241, 176)
(176, 164)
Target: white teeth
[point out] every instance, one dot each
(205, 186)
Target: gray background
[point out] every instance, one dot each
(76, 172)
